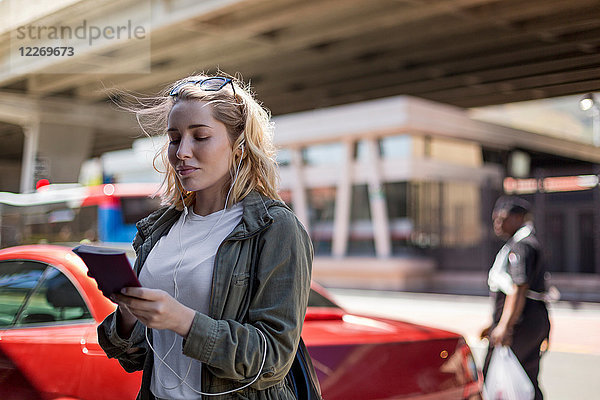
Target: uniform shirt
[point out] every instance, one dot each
(524, 265)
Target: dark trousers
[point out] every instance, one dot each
(527, 339)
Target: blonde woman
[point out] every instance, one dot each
(225, 265)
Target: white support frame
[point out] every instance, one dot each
(30, 148)
(343, 198)
(379, 215)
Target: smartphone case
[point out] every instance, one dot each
(109, 267)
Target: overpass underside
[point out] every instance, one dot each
(297, 54)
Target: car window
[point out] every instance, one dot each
(55, 299)
(18, 279)
(316, 299)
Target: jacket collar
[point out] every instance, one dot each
(256, 216)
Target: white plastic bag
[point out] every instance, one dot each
(506, 379)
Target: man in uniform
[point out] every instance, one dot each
(517, 285)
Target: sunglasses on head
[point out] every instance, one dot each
(213, 84)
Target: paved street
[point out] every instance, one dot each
(570, 369)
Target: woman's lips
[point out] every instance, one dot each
(185, 171)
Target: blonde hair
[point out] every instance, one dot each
(247, 122)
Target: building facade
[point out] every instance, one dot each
(397, 194)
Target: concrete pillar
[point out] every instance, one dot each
(343, 198)
(596, 197)
(299, 189)
(539, 208)
(62, 149)
(30, 150)
(379, 215)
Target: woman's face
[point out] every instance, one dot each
(199, 147)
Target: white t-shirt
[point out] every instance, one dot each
(188, 252)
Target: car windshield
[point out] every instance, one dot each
(315, 299)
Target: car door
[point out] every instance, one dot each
(43, 320)
(103, 378)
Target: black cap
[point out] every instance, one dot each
(512, 204)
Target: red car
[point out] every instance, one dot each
(49, 310)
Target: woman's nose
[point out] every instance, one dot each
(184, 150)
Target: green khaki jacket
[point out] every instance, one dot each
(274, 243)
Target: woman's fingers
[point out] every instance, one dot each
(143, 293)
(156, 309)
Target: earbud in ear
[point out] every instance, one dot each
(185, 210)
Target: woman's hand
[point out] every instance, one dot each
(156, 309)
(126, 321)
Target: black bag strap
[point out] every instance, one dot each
(302, 377)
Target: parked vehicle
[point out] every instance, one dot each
(49, 310)
(72, 212)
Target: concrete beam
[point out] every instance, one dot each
(155, 15)
(416, 116)
(20, 110)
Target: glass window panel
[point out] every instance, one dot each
(397, 199)
(17, 281)
(461, 213)
(424, 209)
(361, 151)
(316, 299)
(135, 208)
(322, 154)
(56, 299)
(455, 151)
(48, 223)
(396, 146)
(321, 208)
(361, 227)
(284, 157)
(401, 225)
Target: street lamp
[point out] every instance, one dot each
(588, 102)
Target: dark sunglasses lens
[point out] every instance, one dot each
(213, 84)
(209, 84)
